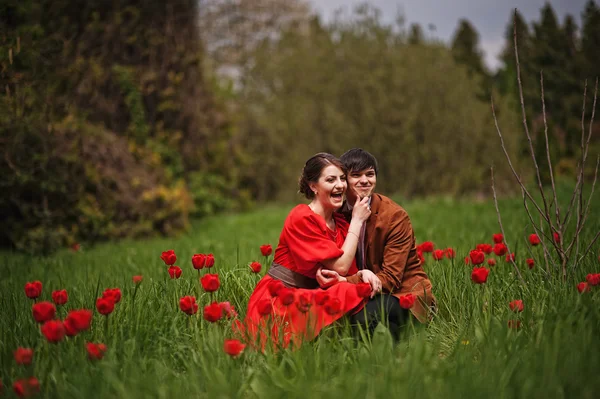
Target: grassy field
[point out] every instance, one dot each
(156, 351)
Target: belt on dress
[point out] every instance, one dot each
(291, 278)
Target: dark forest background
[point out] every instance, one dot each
(126, 119)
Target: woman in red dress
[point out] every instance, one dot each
(287, 304)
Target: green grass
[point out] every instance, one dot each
(155, 351)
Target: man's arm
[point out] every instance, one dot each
(395, 253)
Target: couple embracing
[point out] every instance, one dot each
(347, 236)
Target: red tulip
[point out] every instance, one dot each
(53, 330)
(174, 272)
(467, 260)
(286, 296)
(534, 239)
(485, 248)
(530, 263)
(363, 290)
(510, 257)
(210, 261)
(112, 294)
(75, 247)
(188, 305)
(321, 297)
(210, 282)
(169, 257)
(479, 275)
(60, 297)
(228, 310)
(43, 311)
(274, 286)
(333, 306)
(255, 267)
(516, 305)
(498, 238)
(438, 254)
(233, 347)
(264, 307)
(420, 255)
(491, 262)
(407, 301)
(556, 237)
(95, 351)
(26, 387)
(266, 249)
(213, 312)
(583, 287)
(33, 290)
(593, 279)
(70, 329)
(450, 253)
(198, 261)
(105, 306)
(137, 279)
(477, 257)
(515, 324)
(500, 249)
(79, 319)
(23, 356)
(427, 246)
(304, 301)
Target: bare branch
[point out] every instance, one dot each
(584, 152)
(502, 228)
(535, 164)
(511, 165)
(589, 247)
(555, 198)
(585, 213)
(539, 231)
(579, 179)
(528, 246)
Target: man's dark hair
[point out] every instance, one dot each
(358, 159)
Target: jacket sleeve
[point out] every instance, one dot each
(398, 244)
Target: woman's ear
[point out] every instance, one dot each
(313, 187)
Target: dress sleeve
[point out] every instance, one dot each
(309, 242)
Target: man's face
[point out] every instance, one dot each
(361, 184)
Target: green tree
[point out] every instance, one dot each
(357, 83)
(506, 76)
(108, 118)
(590, 40)
(415, 34)
(465, 50)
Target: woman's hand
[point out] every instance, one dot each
(368, 276)
(361, 210)
(326, 278)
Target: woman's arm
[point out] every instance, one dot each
(360, 213)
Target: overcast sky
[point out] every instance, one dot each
(489, 17)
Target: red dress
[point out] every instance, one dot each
(304, 243)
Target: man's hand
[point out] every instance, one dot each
(326, 278)
(368, 276)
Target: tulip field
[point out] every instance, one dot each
(130, 324)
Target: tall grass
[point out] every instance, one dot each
(154, 350)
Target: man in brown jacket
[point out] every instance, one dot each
(387, 255)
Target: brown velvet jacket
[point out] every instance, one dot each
(392, 255)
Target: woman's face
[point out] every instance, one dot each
(330, 188)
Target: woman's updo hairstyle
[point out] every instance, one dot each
(312, 171)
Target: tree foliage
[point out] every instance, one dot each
(106, 119)
(358, 82)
